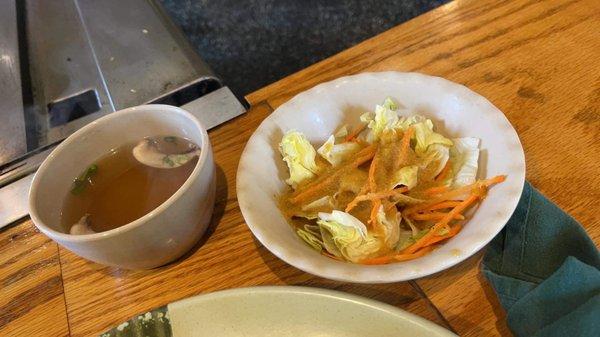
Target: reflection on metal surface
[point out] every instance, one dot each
(151, 63)
(215, 108)
(62, 63)
(85, 59)
(12, 122)
(13, 201)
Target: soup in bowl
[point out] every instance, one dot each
(134, 189)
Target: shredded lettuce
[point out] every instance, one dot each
(311, 239)
(341, 132)
(337, 153)
(299, 156)
(464, 155)
(388, 103)
(425, 136)
(311, 210)
(404, 240)
(407, 176)
(405, 122)
(379, 121)
(434, 160)
(412, 226)
(346, 220)
(390, 225)
(344, 235)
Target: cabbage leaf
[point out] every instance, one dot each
(425, 136)
(299, 155)
(344, 235)
(464, 157)
(407, 176)
(337, 153)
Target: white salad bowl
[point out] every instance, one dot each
(456, 112)
(156, 238)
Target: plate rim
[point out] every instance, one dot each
(349, 298)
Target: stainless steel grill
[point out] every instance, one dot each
(65, 63)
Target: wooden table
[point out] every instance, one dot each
(539, 62)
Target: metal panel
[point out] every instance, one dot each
(62, 62)
(215, 108)
(14, 203)
(161, 61)
(12, 121)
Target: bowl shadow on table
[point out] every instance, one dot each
(218, 212)
(400, 294)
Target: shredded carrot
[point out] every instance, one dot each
(377, 260)
(444, 172)
(313, 189)
(373, 188)
(372, 168)
(404, 146)
(355, 133)
(442, 205)
(435, 190)
(359, 141)
(451, 232)
(494, 180)
(452, 194)
(419, 253)
(433, 216)
(398, 257)
(435, 228)
(375, 196)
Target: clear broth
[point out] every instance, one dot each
(123, 190)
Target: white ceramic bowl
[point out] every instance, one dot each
(158, 237)
(317, 112)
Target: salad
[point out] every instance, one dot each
(391, 189)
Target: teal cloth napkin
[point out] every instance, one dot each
(545, 271)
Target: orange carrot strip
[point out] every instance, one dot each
(355, 201)
(442, 205)
(374, 210)
(456, 210)
(355, 133)
(451, 232)
(433, 216)
(374, 196)
(373, 188)
(444, 172)
(404, 145)
(315, 188)
(455, 193)
(419, 253)
(396, 258)
(372, 182)
(435, 190)
(377, 260)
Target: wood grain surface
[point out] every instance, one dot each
(100, 297)
(31, 289)
(538, 61)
